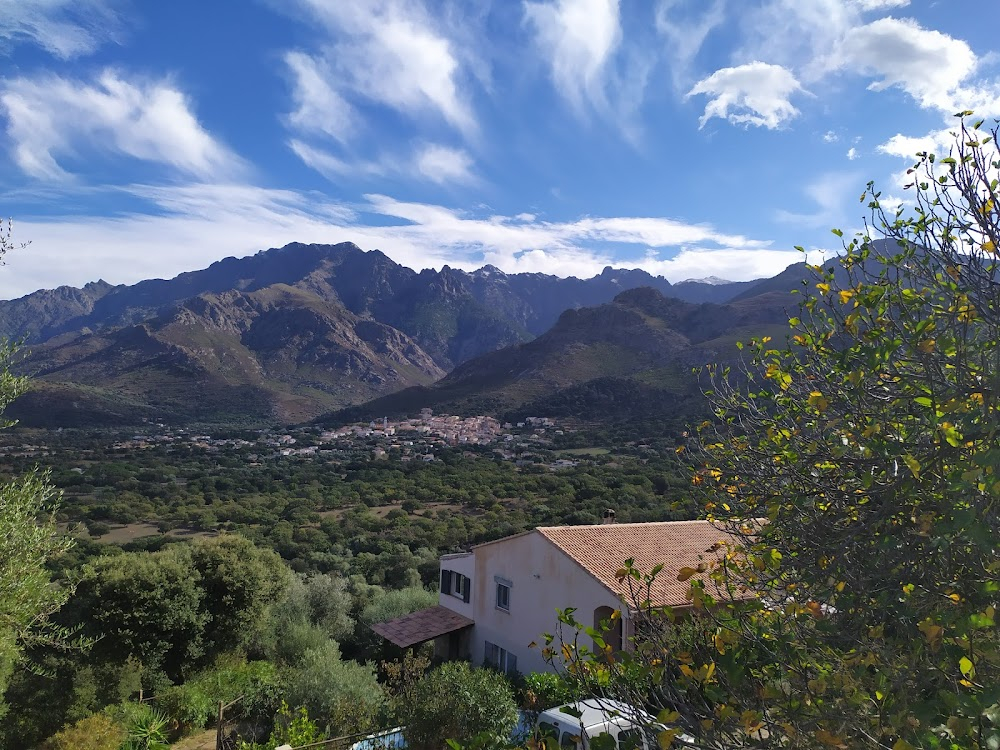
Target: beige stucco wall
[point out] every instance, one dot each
(543, 580)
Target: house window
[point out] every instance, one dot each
(500, 658)
(455, 584)
(503, 597)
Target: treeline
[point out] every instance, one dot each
(169, 634)
(384, 520)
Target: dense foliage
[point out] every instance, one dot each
(456, 702)
(856, 466)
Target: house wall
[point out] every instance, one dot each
(543, 580)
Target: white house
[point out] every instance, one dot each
(503, 595)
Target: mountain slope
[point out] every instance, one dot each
(277, 353)
(641, 338)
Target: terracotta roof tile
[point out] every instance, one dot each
(420, 626)
(602, 551)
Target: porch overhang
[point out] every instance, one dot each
(422, 626)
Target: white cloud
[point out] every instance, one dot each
(927, 64)
(66, 28)
(391, 52)
(753, 94)
(193, 225)
(873, 5)
(906, 147)
(852, 153)
(443, 164)
(579, 39)
(318, 107)
(51, 117)
(830, 137)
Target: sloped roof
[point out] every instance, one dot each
(421, 626)
(603, 549)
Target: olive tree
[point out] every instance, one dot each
(29, 538)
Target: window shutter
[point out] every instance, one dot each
(445, 581)
(466, 589)
(489, 657)
(511, 663)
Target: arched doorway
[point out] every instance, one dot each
(612, 635)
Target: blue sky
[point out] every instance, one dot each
(687, 137)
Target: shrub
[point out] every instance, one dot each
(97, 732)
(542, 690)
(194, 704)
(345, 694)
(455, 702)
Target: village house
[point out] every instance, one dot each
(502, 596)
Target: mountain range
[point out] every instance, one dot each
(301, 331)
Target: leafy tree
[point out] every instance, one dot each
(456, 702)
(29, 539)
(867, 449)
(145, 605)
(239, 581)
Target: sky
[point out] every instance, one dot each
(690, 138)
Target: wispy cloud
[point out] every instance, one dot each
(753, 94)
(578, 39)
(319, 108)
(581, 45)
(50, 117)
(685, 27)
(830, 193)
(432, 162)
(393, 53)
(66, 28)
(190, 226)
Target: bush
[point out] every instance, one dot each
(97, 732)
(195, 704)
(541, 690)
(145, 727)
(345, 694)
(455, 702)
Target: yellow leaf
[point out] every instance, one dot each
(824, 288)
(684, 573)
(829, 739)
(818, 401)
(926, 346)
(990, 247)
(845, 295)
(665, 739)
(967, 667)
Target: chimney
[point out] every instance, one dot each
(609, 516)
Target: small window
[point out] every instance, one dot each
(569, 740)
(500, 658)
(503, 597)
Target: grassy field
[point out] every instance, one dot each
(584, 452)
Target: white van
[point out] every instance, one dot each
(632, 729)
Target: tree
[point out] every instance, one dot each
(857, 465)
(29, 539)
(456, 702)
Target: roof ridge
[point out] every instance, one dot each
(630, 523)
